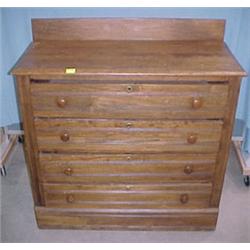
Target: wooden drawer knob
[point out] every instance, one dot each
(70, 198)
(61, 102)
(191, 139)
(128, 124)
(64, 136)
(184, 198)
(68, 171)
(196, 103)
(188, 169)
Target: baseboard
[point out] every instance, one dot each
(172, 219)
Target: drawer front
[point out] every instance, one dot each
(127, 196)
(129, 101)
(109, 136)
(127, 168)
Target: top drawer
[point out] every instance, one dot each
(129, 101)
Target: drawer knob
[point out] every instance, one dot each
(184, 198)
(70, 198)
(128, 158)
(191, 139)
(68, 171)
(61, 102)
(196, 103)
(65, 136)
(188, 169)
(128, 187)
(129, 88)
(128, 124)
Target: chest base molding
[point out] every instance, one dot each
(167, 219)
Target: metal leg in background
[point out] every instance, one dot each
(21, 138)
(247, 180)
(3, 171)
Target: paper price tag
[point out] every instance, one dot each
(70, 70)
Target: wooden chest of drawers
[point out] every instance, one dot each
(127, 121)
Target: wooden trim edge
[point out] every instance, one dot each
(198, 219)
(223, 155)
(30, 147)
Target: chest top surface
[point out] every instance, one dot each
(169, 47)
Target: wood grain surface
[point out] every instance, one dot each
(128, 58)
(138, 137)
(127, 196)
(127, 168)
(127, 29)
(134, 101)
(30, 141)
(143, 136)
(225, 142)
(171, 219)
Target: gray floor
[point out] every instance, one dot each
(18, 223)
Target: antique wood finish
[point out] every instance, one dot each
(127, 196)
(164, 78)
(129, 58)
(30, 143)
(127, 136)
(171, 219)
(134, 101)
(127, 29)
(138, 137)
(127, 168)
(223, 154)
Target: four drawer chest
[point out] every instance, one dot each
(127, 122)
